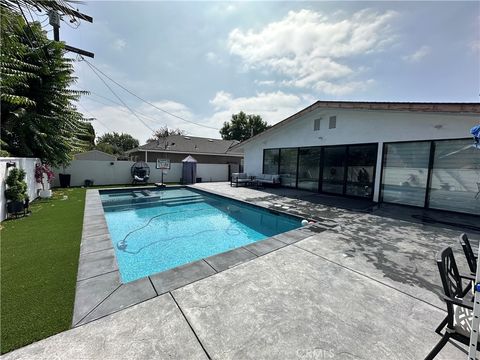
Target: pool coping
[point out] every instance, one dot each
(99, 290)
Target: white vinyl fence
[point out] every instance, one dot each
(27, 164)
(118, 172)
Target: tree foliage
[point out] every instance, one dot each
(88, 136)
(39, 118)
(115, 143)
(62, 6)
(242, 127)
(164, 132)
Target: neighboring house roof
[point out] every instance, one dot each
(430, 107)
(191, 145)
(94, 155)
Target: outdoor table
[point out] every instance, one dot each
(476, 313)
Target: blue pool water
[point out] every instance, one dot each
(157, 230)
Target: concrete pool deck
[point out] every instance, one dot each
(365, 288)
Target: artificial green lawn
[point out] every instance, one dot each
(39, 260)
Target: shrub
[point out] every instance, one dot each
(17, 187)
(41, 169)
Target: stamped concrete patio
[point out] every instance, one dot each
(364, 286)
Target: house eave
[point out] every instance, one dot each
(184, 152)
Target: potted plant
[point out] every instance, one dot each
(42, 170)
(64, 179)
(16, 192)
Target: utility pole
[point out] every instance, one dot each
(54, 20)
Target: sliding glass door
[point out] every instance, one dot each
(405, 172)
(309, 168)
(455, 178)
(361, 161)
(333, 180)
(343, 169)
(288, 167)
(270, 161)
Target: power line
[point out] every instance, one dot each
(146, 101)
(117, 103)
(118, 97)
(94, 117)
(128, 112)
(28, 24)
(101, 96)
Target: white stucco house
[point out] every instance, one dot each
(417, 154)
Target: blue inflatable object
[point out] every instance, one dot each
(475, 131)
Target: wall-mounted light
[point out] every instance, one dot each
(11, 164)
(112, 163)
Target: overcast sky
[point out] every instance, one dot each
(204, 61)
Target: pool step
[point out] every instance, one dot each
(142, 199)
(175, 202)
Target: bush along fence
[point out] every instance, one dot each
(20, 173)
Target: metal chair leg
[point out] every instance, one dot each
(442, 325)
(438, 347)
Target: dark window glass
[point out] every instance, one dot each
(332, 123)
(361, 169)
(270, 161)
(405, 173)
(334, 169)
(288, 167)
(455, 183)
(308, 168)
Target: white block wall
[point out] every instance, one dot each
(103, 173)
(27, 164)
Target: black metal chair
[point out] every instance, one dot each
(140, 172)
(459, 307)
(467, 249)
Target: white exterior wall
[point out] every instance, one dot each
(27, 164)
(357, 127)
(212, 172)
(103, 173)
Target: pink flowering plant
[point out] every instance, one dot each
(40, 170)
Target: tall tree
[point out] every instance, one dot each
(39, 118)
(118, 143)
(242, 127)
(63, 6)
(88, 137)
(164, 132)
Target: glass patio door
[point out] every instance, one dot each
(455, 179)
(333, 178)
(309, 168)
(405, 172)
(361, 161)
(288, 167)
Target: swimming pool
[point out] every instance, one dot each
(156, 230)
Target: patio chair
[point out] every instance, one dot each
(467, 249)
(459, 307)
(240, 179)
(140, 173)
(267, 179)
